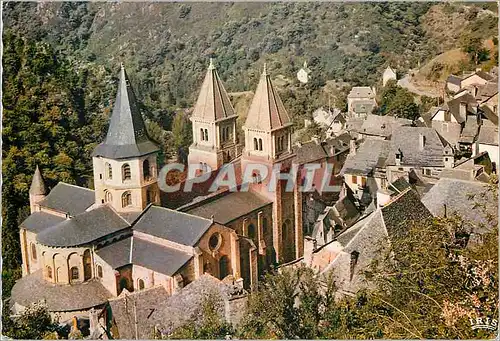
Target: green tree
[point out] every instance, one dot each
(397, 101)
(33, 323)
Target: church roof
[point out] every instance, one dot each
(38, 184)
(213, 103)
(178, 227)
(33, 288)
(127, 136)
(267, 111)
(39, 221)
(153, 256)
(83, 228)
(241, 203)
(69, 199)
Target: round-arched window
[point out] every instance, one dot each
(99, 271)
(215, 241)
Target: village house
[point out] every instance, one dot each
(333, 121)
(381, 127)
(303, 74)
(361, 101)
(455, 83)
(389, 74)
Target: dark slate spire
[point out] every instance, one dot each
(127, 136)
(38, 184)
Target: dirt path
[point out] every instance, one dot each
(405, 82)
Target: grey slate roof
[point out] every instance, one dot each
(361, 92)
(488, 135)
(230, 206)
(382, 125)
(127, 136)
(153, 256)
(454, 80)
(69, 198)
(33, 288)
(116, 254)
(366, 158)
(454, 193)
(470, 130)
(406, 139)
(489, 114)
(140, 304)
(312, 151)
(83, 228)
(159, 258)
(454, 106)
(155, 308)
(39, 221)
(38, 184)
(179, 227)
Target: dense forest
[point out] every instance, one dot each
(60, 63)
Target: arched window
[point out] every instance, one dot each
(126, 172)
(251, 231)
(109, 171)
(108, 197)
(206, 134)
(75, 274)
(33, 251)
(255, 144)
(264, 227)
(260, 144)
(99, 271)
(48, 269)
(87, 265)
(224, 267)
(146, 170)
(202, 136)
(140, 284)
(126, 199)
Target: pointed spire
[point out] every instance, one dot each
(38, 186)
(267, 111)
(213, 103)
(127, 136)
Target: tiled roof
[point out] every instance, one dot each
(38, 184)
(489, 114)
(69, 198)
(407, 140)
(156, 257)
(83, 228)
(127, 136)
(454, 106)
(213, 103)
(488, 135)
(33, 288)
(454, 195)
(39, 221)
(314, 151)
(382, 125)
(267, 111)
(454, 80)
(230, 206)
(179, 227)
(116, 254)
(366, 158)
(138, 305)
(159, 258)
(361, 92)
(470, 130)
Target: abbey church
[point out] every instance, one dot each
(82, 247)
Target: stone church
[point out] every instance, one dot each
(82, 247)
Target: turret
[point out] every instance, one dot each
(38, 190)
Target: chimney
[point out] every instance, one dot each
(421, 141)
(399, 157)
(352, 147)
(463, 109)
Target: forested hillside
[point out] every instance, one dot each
(61, 60)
